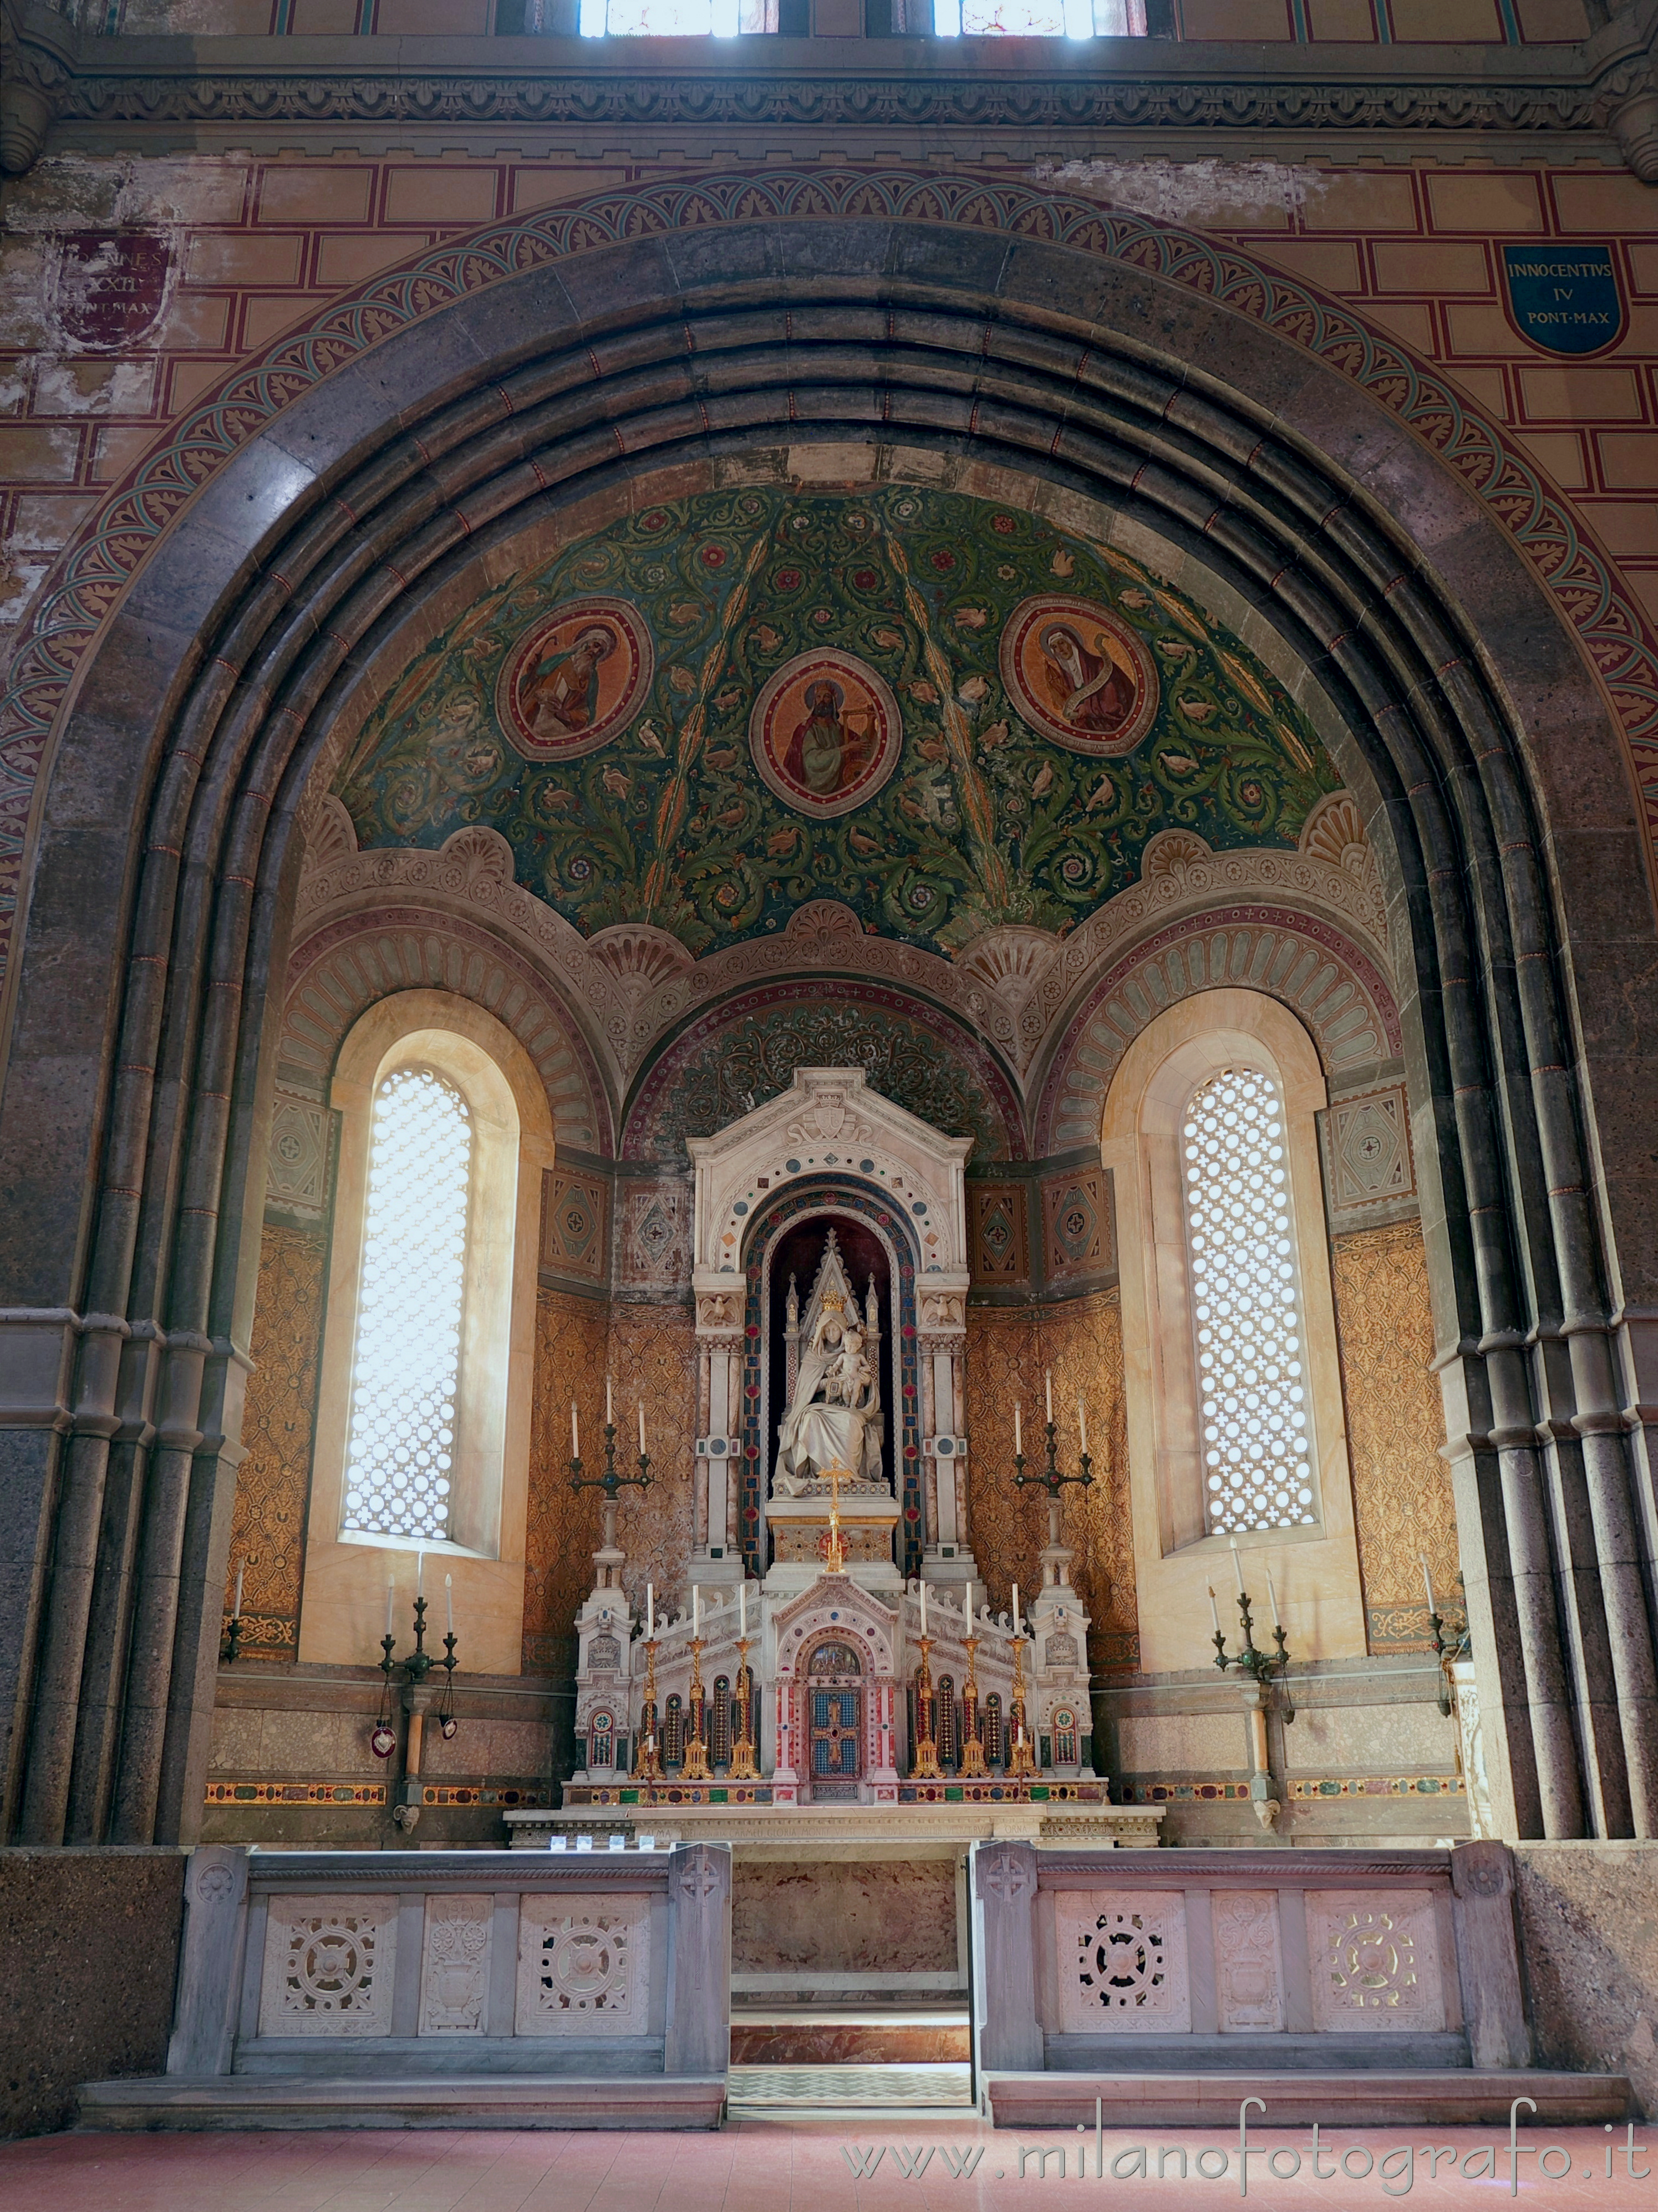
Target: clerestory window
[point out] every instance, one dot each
(1247, 1306)
(405, 1367)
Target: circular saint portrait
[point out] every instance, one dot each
(576, 679)
(1078, 674)
(826, 732)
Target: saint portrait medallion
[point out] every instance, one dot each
(578, 677)
(1078, 674)
(825, 732)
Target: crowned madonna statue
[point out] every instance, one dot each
(834, 1420)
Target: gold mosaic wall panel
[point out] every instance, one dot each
(562, 1527)
(1395, 1427)
(273, 1484)
(1009, 1349)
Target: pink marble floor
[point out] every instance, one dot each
(782, 2166)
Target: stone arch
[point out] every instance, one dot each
(1312, 965)
(348, 963)
(1101, 355)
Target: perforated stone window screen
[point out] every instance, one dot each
(1247, 1305)
(405, 1370)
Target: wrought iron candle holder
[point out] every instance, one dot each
(1447, 1650)
(743, 1767)
(1266, 1668)
(611, 1484)
(1052, 1481)
(232, 1639)
(925, 1765)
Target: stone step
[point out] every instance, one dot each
(809, 2038)
(456, 2101)
(1451, 2096)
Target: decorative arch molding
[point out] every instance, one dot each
(347, 965)
(837, 1608)
(1222, 405)
(936, 1067)
(1321, 975)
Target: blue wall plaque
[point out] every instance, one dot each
(1565, 298)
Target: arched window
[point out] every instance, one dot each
(405, 1365)
(426, 1378)
(1247, 1306)
(1236, 1429)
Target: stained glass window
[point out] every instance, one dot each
(1247, 1305)
(1023, 19)
(405, 1368)
(675, 19)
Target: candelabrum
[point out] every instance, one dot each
(743, 1767)
(412, 1673)
(696, 1767)
(1021, 1756)
(925, 1765)
(647, 1759)
(1052, 1481)
(1265, 1667)
(973, 1751)
(610, 1484)
(232, 1639)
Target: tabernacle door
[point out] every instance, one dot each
(834, 1703)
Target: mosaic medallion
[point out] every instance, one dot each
(576, 679)
(825, 732)
(1078, 674)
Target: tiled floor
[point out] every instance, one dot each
(776, 2165)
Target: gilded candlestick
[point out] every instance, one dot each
(973, 1751)
(743, 1767)
(1021, 1759)
(647, 1761)
(696, 1767)
(924, 1766)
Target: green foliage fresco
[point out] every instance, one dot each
(984, 822)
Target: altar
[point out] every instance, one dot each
(829, 1672)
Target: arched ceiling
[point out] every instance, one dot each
(1013, 712)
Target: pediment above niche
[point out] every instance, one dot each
(829, 1124)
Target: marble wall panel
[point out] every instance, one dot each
(1182, 1743)
(583, 1968)
(454, 1975)
(1375, 1960)
(844, 1916)
(330, 1964)
(1370, 1738)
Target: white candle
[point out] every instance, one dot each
(1271, 1597)
(1427, 1585)
(449, 1603)
(923, 1588)
(641, 1429)
(389, 1594)
(236, 1608)
(1081, 1424)
(1214, 1610)
(610, 1411)
(650, 1611)
(697, 1609)
(743, 1607)
(575, 1433)
(1018, 1441)
(1050, 1392)
(1016, 1608)
(1237, 1566)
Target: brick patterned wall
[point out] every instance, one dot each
(255, 246)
